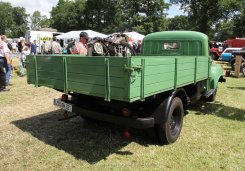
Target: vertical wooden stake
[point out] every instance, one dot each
(238, 65)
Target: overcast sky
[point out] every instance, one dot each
(45, 6)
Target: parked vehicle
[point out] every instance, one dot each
(233, 60)
(150, 91)
(235, 43)
(215, 53)
(227, 54)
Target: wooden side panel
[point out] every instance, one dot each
(165, 73)
(202, 68)
(185, 71)
(50, 71)
(157, 73)
(94, 76)
(30, 65)
(125, 79)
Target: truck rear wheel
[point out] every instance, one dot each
(169, 130)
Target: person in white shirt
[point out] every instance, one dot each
(14, 47)
(4, 62)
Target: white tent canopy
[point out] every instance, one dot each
(75, 34)
(135, 36)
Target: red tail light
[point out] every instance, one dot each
(64, 97)
(126, 112)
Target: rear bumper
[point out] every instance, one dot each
(147, 122)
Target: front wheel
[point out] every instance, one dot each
(214, 56)
(169, 130)
(243, 68)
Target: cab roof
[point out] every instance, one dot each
(177, 35)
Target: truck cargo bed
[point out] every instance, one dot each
(118, 78)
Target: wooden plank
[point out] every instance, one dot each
(49, 59)
(95, 90)
(96, 61)
(96, 70)
(159, 60)
(187, 66)
(93, 79)
(50, 67)
(185, 79)
(151, 88)
(44, 74)
(160, 69)
(184, 60)
(52, 83)
(184, 73)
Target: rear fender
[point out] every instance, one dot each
(216, 75)
(161, 112)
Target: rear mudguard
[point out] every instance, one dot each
(216, 75)
(161, 113)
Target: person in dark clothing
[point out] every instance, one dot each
(70, 46)
(2, 74)
(33, 48)
(4, 61)
(138, 48)
(7, 64)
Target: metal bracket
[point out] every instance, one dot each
(132, 69)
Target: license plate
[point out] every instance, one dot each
(63, 105)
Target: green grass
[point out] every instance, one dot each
(32, 138)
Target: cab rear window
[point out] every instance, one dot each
(171, 45)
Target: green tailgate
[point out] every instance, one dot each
(118, 78)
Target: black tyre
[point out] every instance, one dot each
(232, 63)
(169, 130)
(212, 97)
(97, 49)
(214, 56)
(124, 50)
(243, 68)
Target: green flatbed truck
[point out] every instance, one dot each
(149, 91)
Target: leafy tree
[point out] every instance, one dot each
(65, 16)
(20, 22)
(239, 23)
(109, 16)
(180, 22)
(223, 30)
(6, 18)
(145, 16)
(38, 20)
(104, 16)
(13, 20)
(206, 13)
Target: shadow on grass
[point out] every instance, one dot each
(219, 110)
(85, 140)
(239, 88)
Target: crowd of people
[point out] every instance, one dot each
(72, 47)
(9, 50)
(21, 48)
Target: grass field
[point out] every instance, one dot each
(32, 138)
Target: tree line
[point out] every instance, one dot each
(219, 19)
